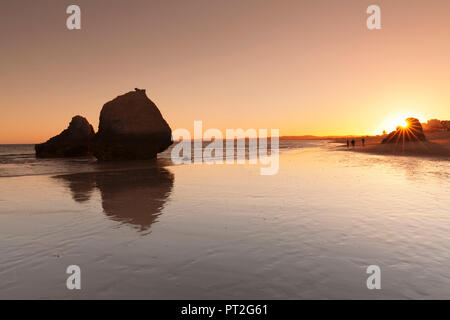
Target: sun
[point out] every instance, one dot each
(395, 121)
(404, 124)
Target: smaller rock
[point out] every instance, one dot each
(413, 132)
(75, 141)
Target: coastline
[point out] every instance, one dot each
(437, 146)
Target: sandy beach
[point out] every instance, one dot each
(436, 146)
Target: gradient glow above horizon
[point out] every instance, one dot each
(305, 67)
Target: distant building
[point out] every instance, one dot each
(433, 125)
(446, 125)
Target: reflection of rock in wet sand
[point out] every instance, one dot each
(81, 186)
(132, 196)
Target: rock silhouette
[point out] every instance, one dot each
(72, 142)
(134, 197)
(413, 132)
(131, 128)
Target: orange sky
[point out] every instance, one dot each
(305, 67)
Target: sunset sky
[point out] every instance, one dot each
(305, 67)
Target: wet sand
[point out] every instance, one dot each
(226, 232)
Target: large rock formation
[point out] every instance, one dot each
(411, 133)
(131, 127)
(73, 142)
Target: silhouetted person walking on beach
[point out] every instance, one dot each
(363, 142)
(353, 143)
(348, 144)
